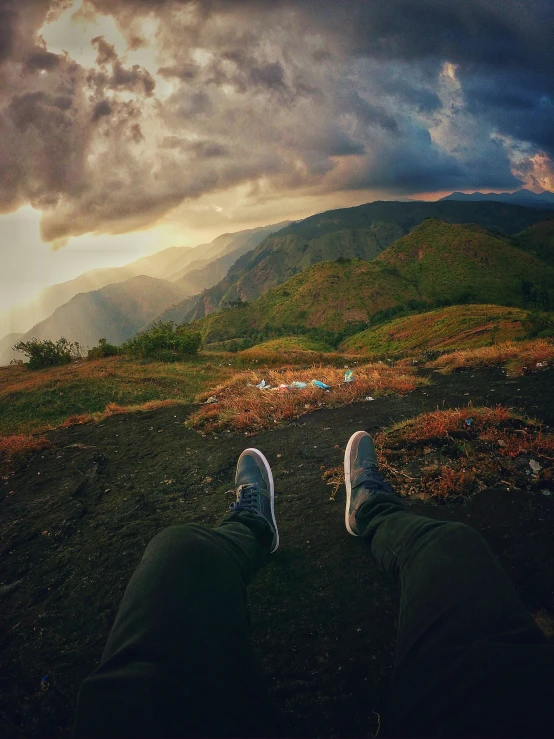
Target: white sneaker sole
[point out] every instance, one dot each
(261, 458)
(347, 480)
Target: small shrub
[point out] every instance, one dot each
(539, 325)
(104, 349)
(164, 341)
(48, 353)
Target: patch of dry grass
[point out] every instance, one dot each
(242, 407)
(518, 357)
(454, 454)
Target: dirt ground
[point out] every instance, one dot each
(76, 519)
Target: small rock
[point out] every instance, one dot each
(535, 466)
(546, 492)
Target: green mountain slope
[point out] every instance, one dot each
(436, 263)
(116, 312)
(538, 239)
(455, 327)
(361, 232)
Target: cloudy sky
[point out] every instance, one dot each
(132, 125)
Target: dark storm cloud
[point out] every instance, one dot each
(394, 95)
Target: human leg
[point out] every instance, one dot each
(179, 660)
(470, 659)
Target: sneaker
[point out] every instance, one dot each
(255, 490)
(361, 476)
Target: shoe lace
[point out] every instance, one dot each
(372, 479)
(248, 499)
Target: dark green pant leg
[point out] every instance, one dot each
(179, 660)
(470, 659)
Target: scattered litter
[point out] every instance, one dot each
(282, 387)
(322, 385)
(211, 399)
(298, 384)
(369, 398)
(262, 384)
(546, 492)
(535, 466)
(349, 376)
(542, 364)
(469, 422)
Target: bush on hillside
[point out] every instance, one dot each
(539, 326)
(48, 353)
(164, 341)
(104, 349)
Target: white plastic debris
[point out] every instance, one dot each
(369, 398)
(261, 385)
(299, 384)
(349, 376)
(211, 399)
(535, 466)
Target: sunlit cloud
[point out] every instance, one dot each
(117, 116)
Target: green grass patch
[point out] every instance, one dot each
(292, 344)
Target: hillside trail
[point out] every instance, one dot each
(76, 519)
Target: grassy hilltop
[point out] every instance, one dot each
(455, 327)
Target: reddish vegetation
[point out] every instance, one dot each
(15, 449)
(242, 407)
(456, 453)
(519, 357)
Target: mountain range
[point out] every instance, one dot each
(169, 264)
(361, 232)
(436, 263)
(543, 199)
(333, 271)
(180, 271)
(114, 312)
